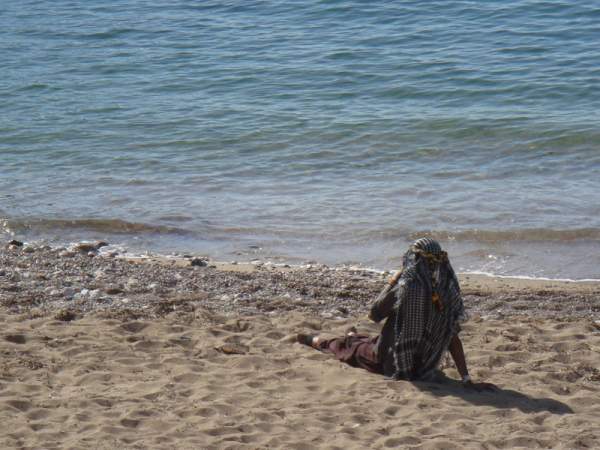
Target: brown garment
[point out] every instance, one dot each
(356, 350)
(366, 352)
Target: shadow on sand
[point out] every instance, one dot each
(500, 398)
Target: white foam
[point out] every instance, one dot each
(527, 277)
(124, 252)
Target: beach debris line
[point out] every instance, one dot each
(46, 281)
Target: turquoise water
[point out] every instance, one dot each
(334, 131)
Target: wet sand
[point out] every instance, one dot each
(101, 352)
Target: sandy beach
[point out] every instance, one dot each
(103, 352)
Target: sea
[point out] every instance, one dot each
(332, 131)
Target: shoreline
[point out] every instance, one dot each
(83, 279)
(468, 258)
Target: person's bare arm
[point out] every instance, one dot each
(383, 305)
(458, 355)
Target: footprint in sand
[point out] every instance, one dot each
(205, 412)
(21, 405)
(133, 327)
(391, 411)
(103, 402)
(275, 335)
(401, 442)
(186, 378)
(130, 423)
(146, 345)
(38, 414)
(16, 338)
(507, 348)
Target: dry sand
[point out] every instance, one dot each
(200, 378)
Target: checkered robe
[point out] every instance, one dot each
(422, 330)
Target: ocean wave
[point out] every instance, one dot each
(120, 226)
(113, 226)
(528, 235)
(530, 278)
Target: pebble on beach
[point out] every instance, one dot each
(89, 247)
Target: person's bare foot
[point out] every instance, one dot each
(307, 339)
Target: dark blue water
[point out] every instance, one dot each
(334, 130)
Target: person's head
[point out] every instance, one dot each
(429, 250)
(427, 264)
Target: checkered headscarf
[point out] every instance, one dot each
(430, 308)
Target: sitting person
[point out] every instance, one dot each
(423, 308)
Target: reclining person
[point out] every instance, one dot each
(423, 309)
